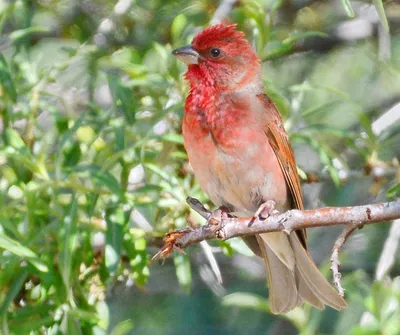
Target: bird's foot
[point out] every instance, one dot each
(266, 210)
(217, 216)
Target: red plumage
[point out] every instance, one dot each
(241, 155)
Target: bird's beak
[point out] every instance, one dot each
(187, 55)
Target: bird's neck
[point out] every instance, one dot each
(209, 84)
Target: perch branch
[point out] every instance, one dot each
(223, 227)
(291, 220)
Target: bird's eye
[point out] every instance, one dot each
(215, 52)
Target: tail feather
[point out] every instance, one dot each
(290, 286)
(314, 279)
(283, 295)
(306, 293)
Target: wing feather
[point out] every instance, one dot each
(279, 141)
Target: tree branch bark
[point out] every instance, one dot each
(223, 226)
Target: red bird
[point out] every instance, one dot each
(241, 155)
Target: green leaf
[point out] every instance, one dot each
(33, 324)
(120, 137)
(252, 301)
(246, 300)
(177, 26)
(66, 138)
(135, 247)
(394, 191)
(70, 324)
(115, 218)
(84, 315)
(240, 246)
(299, 36)
(325, 154)
(14, 140)
(173, 138)
(381, 12)
(326, 129)
(6, 81)
(277, 52)
(171, 179)
(18, 249)
(68, 242)
(103, 314)
(105, 178)
(281, 102)
(183, 271)
(321, 108)
(101, 178)
(122, 328)
(122, 98)
(348, 8)
(15, 288)
(366, 124)
(72, 155)
(302, 174)
(16, 35)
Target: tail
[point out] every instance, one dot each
(293, 277)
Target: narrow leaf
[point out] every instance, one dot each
(15, 288)
(183, 271)
(18, 249)
(21, 33)
(177, 26)
(122, 98)
(381, 12)
(298, 36)
(105, 178)
(28, 327)
(68, 242)
(115, 218)
(246, 300)
(394, 191)
(13, 139)
(6, 80)
(173, 138)
(348, 8)
(122, 328)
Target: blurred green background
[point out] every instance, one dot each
(93, 171)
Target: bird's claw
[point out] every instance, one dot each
(218, 216)
(265, 210)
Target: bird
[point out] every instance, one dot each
(240, 153)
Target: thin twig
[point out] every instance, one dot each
(335, 254)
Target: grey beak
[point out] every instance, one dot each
(187, 55)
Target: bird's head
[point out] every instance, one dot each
(220, 57)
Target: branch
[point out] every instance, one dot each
(221, 225)
(335, 254)
(225, 227)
